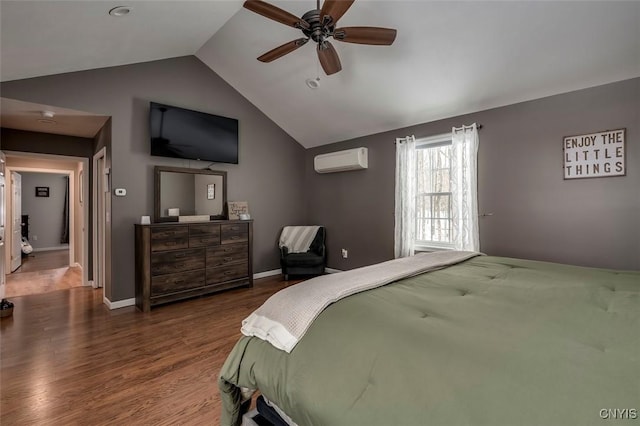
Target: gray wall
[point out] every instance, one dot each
(45, 143)
(536, 214)
(45, 213)
(270, 175)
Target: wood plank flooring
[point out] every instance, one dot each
(42, 272)
(66, 359)
(41, 260)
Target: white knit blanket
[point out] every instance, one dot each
(298, 239)
(285, 317)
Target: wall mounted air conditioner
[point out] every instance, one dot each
(341, 161)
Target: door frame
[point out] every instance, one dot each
(99, 215)
(14, 177)
(72, 192)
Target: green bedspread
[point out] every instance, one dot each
(491, 341)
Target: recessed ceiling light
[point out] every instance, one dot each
(120, 11)
(313, 83)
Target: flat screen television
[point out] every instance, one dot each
(183, 133)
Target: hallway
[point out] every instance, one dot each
(42, 272)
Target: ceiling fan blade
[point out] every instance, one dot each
(328, 58)
(335, 9)
(366, 35)
(280, 51)
(272, 12)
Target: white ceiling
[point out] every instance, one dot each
(52, 37)
(449, 58)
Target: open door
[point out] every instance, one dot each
(2, 226)
(16, 221)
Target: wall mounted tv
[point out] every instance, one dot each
(182, 133)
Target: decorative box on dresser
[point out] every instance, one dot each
(175, 261)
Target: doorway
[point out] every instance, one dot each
(51, 193)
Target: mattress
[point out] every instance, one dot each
(490, 341)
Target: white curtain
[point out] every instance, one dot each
(405, 215)
(464, 187)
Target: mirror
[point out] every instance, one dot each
(188, 192)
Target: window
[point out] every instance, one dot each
(436, 192)
(434, 227)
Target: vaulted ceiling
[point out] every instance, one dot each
(449, 58)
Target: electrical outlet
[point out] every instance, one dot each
(35, 238)
(345, 253)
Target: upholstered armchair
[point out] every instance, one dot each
(296, 262)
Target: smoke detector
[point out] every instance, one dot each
(119, 11)
(47, 117)
(313, 83)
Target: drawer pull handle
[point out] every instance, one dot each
(228, 259)
(227, 250)
(228, 272)
(180, 255)
(235, 237)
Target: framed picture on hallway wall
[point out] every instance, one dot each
(42, 191)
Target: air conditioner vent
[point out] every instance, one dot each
(341, 161)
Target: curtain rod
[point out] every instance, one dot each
(478, 127)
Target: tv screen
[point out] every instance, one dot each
(182, 133)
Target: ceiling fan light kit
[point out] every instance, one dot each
(319, 25)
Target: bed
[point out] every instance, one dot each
(486, 341)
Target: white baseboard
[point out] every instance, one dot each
(50, 248)
(332, 271)
(267, 274)
(119, 303)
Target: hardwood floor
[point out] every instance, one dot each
(67, 359)
(42, 260)
(43, 272)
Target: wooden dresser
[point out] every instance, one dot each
(175, 261)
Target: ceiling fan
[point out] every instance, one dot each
(318, 25)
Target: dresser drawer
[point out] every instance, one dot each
(227, 273)
(169, 238)
(172, 283)
(228, 253)
(177, 261)
(234, 233)
(204, 235)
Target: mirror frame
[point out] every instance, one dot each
(157, 218)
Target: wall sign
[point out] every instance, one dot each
(236, 208)
(42, 191)
(595, 155)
